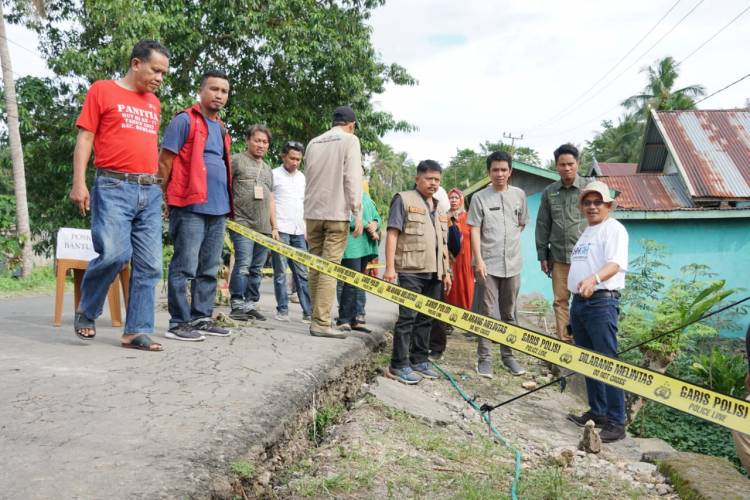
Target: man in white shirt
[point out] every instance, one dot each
(289, 194)
(597, 274)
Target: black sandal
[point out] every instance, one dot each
(142, 342)
(82, 322)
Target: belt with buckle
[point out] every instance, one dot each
(600, 294)
(142, 179)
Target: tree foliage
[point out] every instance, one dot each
(47, 113)
(622, 142)
(619, 143)
(470, 166)
(659, 92)
(290, 63)
(390, 172)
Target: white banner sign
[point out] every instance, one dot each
(75, 244)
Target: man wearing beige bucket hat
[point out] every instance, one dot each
(597, 274)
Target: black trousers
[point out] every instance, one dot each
(411, 335)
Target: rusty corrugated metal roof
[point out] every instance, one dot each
(711, 149)
(618, 168)
(650, 192)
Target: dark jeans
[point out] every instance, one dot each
(198, 240)
(594, 325)
(352, 299)
(411, 335)
(125, 227)
(244, 284)
(299, 275)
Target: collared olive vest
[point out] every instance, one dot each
(420, 246)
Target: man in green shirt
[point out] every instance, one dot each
(558, 226)
(254, 207)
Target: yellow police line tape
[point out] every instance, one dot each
(268, 271)
(709, 405)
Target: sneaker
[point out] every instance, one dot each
(436, 356)
(282, 316)
(327, 332)
(405, 375)
(210, 327)
(484, 368)
(255, 314)
(186, 332)
(344, 327)
(239, 315)
(513, 367)
(306, 319)
(425, 370)
(581, 420)
(294, 298)
(612, 432)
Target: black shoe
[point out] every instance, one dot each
(209, 327)
(580, 421)
(185, 332)
(612, 433)
(255, 314)
(239, 315)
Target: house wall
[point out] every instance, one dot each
(721, 244)
(531, 184)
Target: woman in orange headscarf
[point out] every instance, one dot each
(462, 291)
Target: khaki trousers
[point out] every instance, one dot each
(326, 239)
(561, 304)
(493, 295)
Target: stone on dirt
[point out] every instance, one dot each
(409, 399)
(653, 449)
(590, 441)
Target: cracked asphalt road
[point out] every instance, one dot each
(95, 420)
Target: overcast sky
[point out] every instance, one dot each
(489, 67)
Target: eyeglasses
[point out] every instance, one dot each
(596, 203)
(294, 145)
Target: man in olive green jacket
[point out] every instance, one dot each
(558, 227)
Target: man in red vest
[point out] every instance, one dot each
(195, 164)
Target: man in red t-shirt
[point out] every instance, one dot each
(120, 122)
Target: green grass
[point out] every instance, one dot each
(324, 418)
(243, 470)
(41, 280)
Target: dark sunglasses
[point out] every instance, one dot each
(588, 203)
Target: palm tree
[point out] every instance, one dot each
(23, 227)
(658, 93)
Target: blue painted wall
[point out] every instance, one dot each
(721, 244)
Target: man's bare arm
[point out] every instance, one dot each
(79, 193)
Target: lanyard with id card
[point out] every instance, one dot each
(258, 189)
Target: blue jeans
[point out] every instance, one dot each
(299, 275)
(198, 240)
(352, 299)
(125, 227)
(244, 284)
(594, 325)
